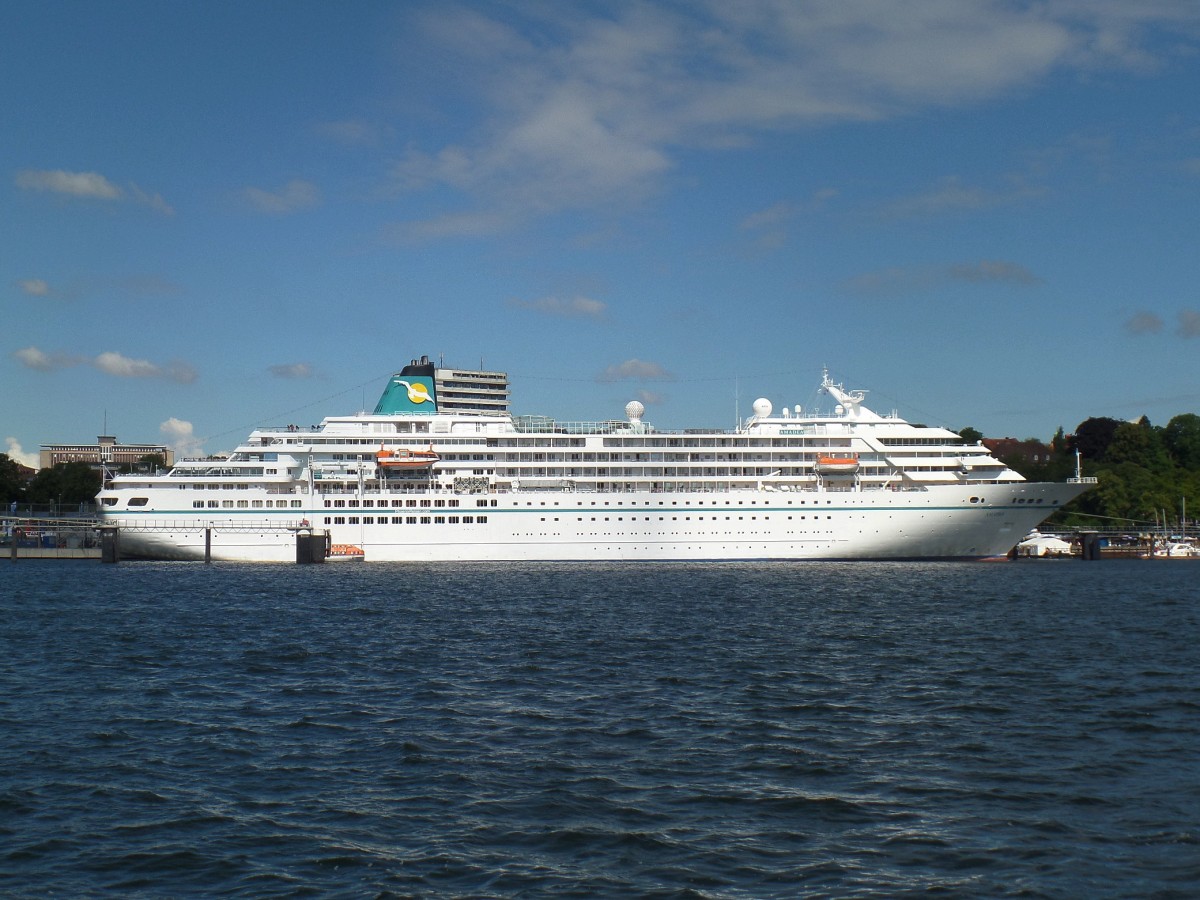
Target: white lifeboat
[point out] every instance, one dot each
(402, 458)
(837, 465)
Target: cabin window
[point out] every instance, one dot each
(481, 519)
(213, 504)
(138, 501)
(227, 504)
(257, 504)
(296, 504)
(197, 504)
(243, 504)
(353, 520)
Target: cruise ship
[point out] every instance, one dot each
(458, 477)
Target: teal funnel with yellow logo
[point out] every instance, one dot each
(410, 391)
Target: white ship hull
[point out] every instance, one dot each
(937, 523)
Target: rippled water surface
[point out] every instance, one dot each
(721, 730)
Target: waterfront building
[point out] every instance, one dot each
(106, 451)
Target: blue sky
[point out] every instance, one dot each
(218, 215)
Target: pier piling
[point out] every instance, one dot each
(110, 543)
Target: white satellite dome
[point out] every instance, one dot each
(762, 407)
(634, 410)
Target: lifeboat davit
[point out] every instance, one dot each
(403, 458)
(837, 465)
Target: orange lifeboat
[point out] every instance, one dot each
(345, 552)
(837, 465)
(403, 458)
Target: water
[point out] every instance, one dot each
(723, 730)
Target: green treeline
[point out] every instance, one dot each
(64, 484)
(1144, 471)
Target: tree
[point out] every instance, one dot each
(152, 461)
(970, 435)
(1138, 443)
(12, 485)
(1093, 436)
(66, 483)
(1181, 437)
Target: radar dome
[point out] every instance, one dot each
(634, 410)
(762, 407)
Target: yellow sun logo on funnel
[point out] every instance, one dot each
(417, 393)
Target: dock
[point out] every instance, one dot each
(85, 538)
(48, 538)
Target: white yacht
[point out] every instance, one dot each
(420, 480)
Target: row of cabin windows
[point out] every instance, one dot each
(239, 504)
(405, 520)
(721, 503)
(353, 502)
(675, 518)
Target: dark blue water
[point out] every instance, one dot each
(723, 730)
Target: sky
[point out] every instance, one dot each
(220, 215)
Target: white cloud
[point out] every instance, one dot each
(17, 453)
(179, 436)
(992, 270)
(34, 358)
(34, 287)
(1189, 323)
(898, 279)
(291, 370)
(952, 195)
(597, 108)
(292, 197)
(109, 362)
(351, 132)
(75, 184)
(635, 369)
(1144, 323)
(453, 225)
(575, 307)
(112, 363)
(87, 185)
(154, 201)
